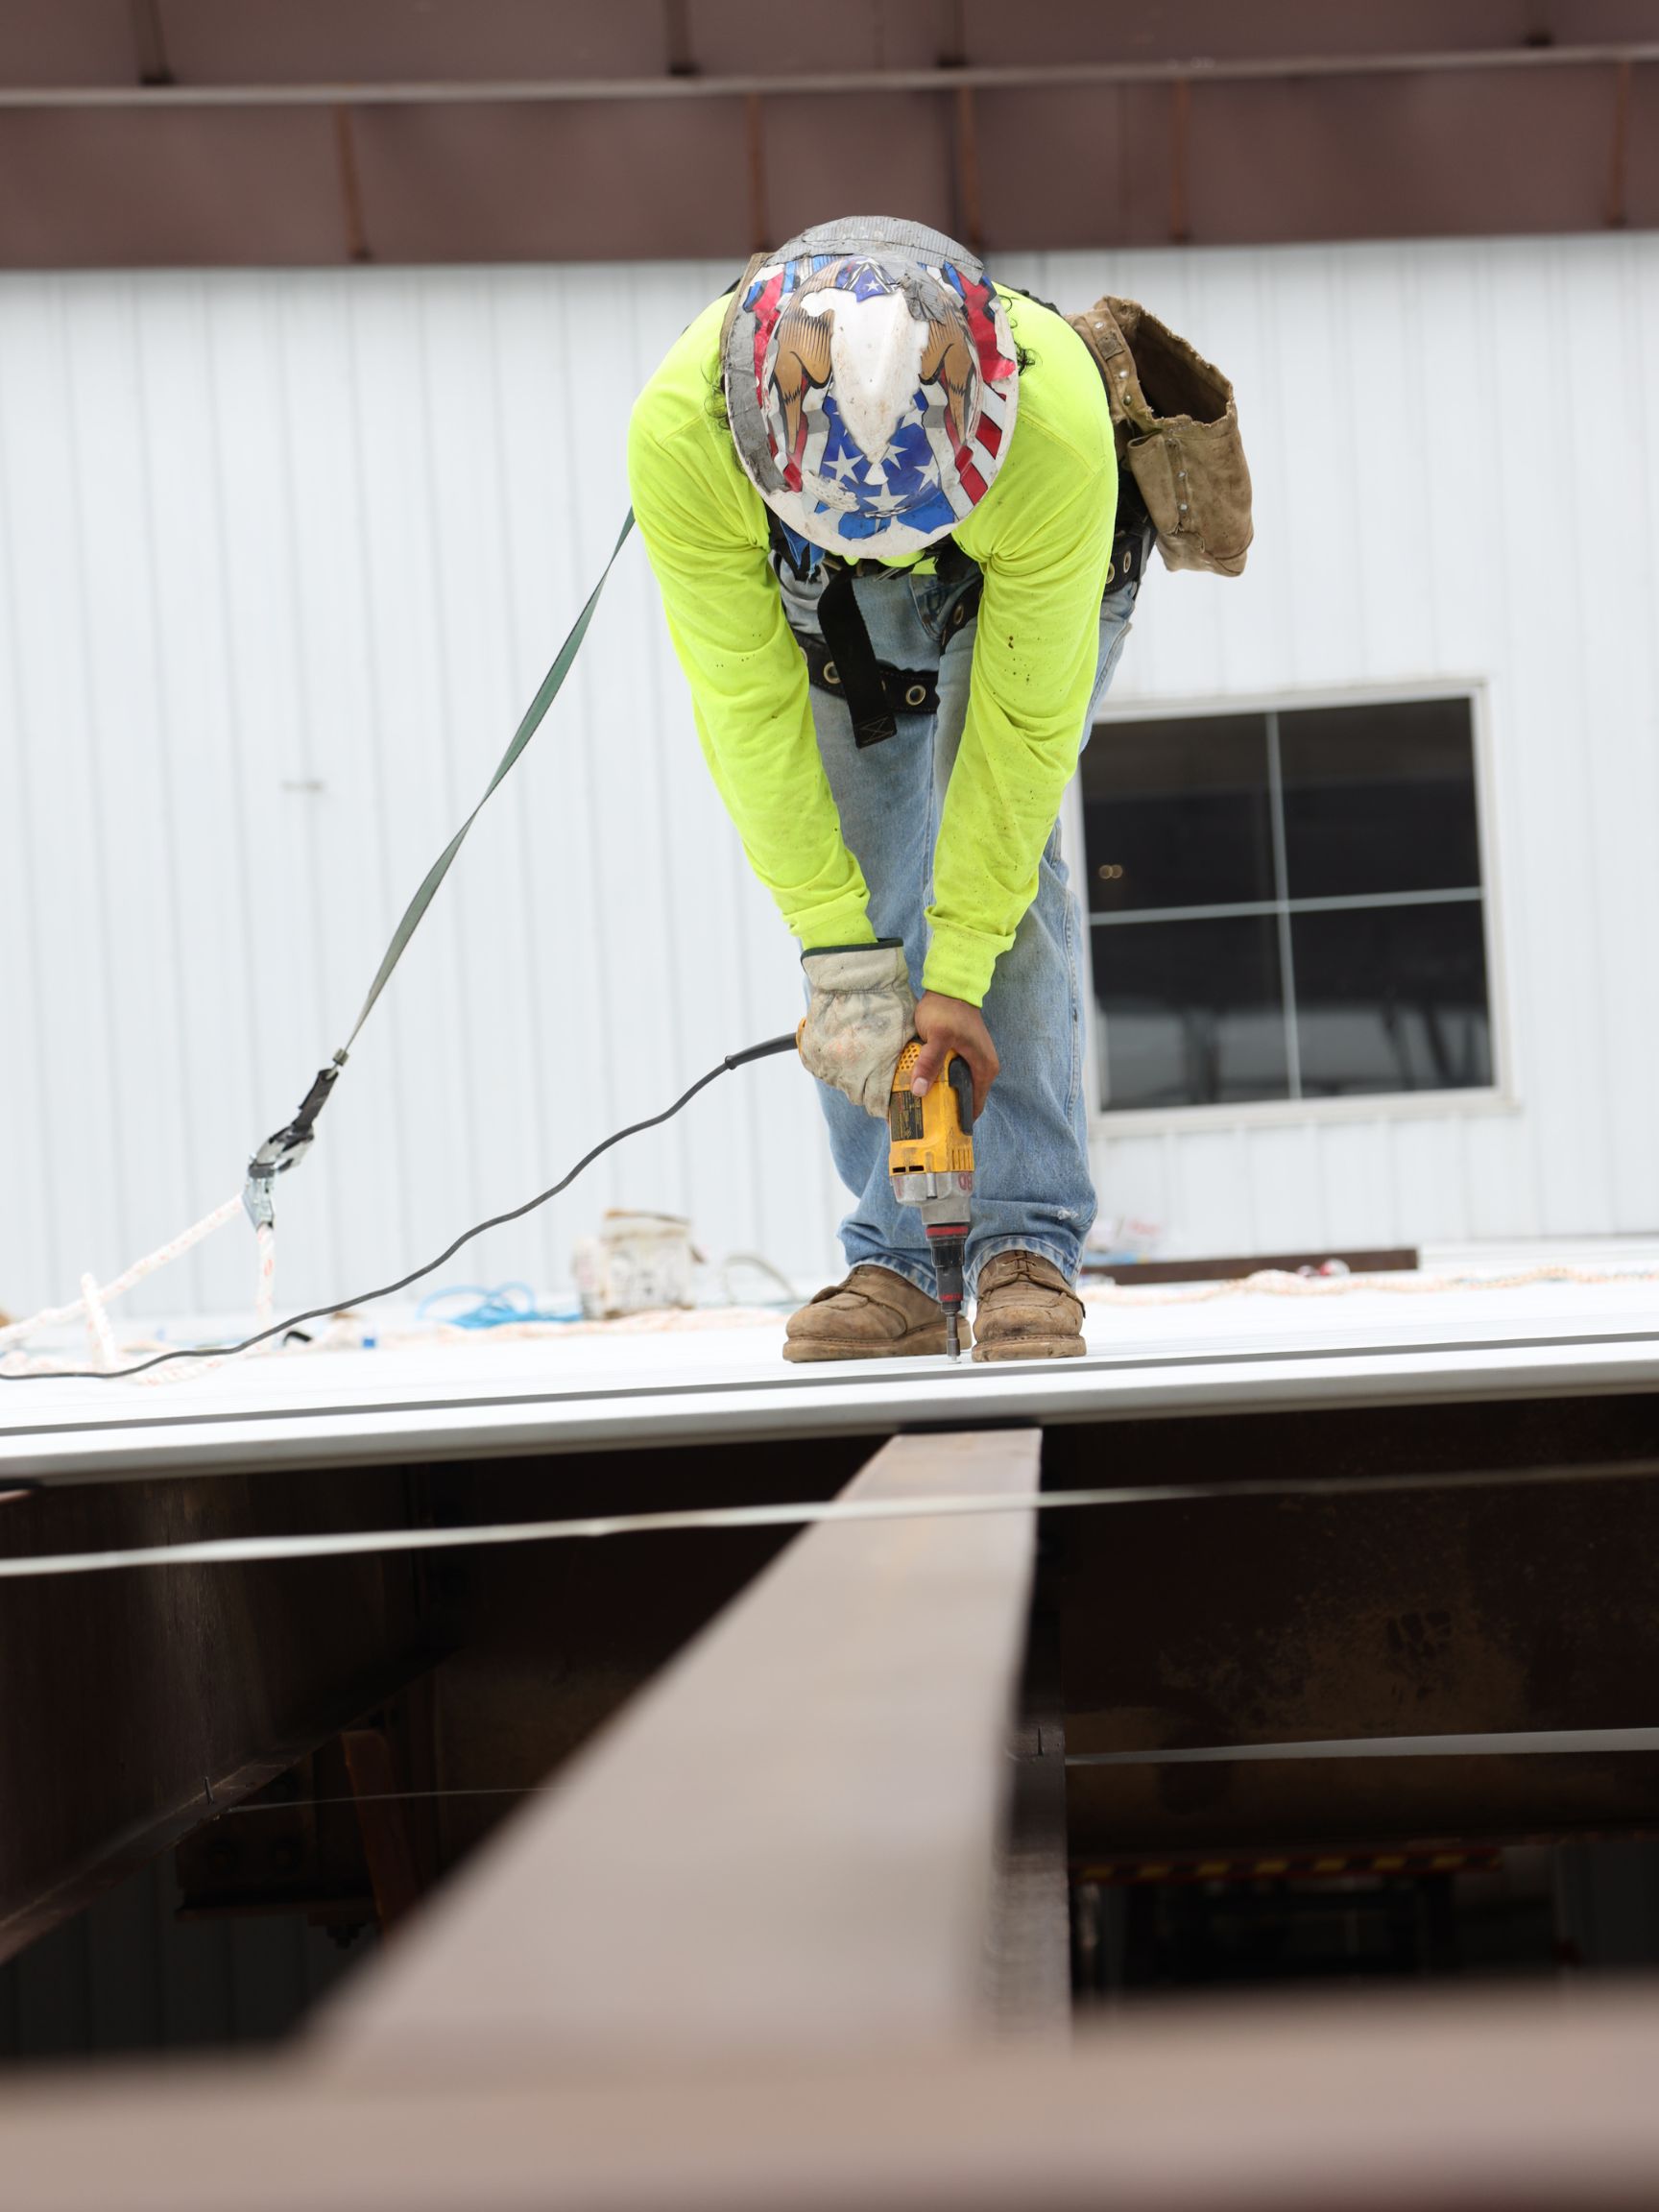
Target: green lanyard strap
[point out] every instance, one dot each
(290, 1144)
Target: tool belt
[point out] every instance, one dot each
(1176, 424)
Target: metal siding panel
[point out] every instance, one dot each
(1209, 1210)
(1496, 1167)
(70, 1147)
(267, 530)
(151, 1133)
(334, 541)
(562, 1047)
(27, 1212)
(1550, 868)
(489, 1002)
(1611, 572)
(206, 774)
(1131, 1179)
(1427, 1177)
(1355, 1161)
(1633, 726)
(1393, 610)
(292, 970)
(1450, 586)
(411, 1093)
(1284, 1165)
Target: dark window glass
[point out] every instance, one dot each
(1176, 814)
(1391, 999)
(1194, 1012)
(1379, 798)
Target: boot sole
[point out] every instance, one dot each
(928, 1345)
(1032, 1347)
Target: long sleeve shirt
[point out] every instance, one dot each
(1043, 536)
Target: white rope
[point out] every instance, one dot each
(53, 1316)
(98, 1333)
(265, 1297)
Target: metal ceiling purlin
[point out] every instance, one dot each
(1006, 76)
(123, 170)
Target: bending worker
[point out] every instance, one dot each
(879, 495)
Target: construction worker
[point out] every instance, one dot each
(879, 496)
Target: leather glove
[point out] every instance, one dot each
(860, 1016)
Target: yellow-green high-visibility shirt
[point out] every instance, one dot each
(1043, 536)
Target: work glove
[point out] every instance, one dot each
(860, 1016)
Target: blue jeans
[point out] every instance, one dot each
(1032, 1187)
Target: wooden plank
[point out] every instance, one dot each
(787, 1842)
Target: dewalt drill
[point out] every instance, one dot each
(931, 1162)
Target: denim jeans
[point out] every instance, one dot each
(1032, 1186)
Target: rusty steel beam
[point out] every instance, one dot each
(787, 1843)
(1421, 2103)
(1030, 1944)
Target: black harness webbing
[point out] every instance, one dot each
(854, 656)
(907, 691)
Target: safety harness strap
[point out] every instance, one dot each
(907, 691)
(842, 622)
(551, 684)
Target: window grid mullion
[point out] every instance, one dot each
(1282, 908)
(1353, 903)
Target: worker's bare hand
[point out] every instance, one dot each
(952, 1025)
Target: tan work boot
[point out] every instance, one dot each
(873, 1314)
(1026, 1309)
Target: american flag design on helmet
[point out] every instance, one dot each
(881, 391)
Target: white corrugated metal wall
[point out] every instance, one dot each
(281, 556)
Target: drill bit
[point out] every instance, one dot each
(952, 1336)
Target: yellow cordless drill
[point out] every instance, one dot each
(930, 1162)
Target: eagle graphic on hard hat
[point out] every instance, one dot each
(871, 392)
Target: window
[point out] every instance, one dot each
(1287, 904)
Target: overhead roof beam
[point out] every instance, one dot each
(998, 77)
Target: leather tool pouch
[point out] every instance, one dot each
(1176, 423)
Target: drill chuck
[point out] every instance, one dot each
(946, 1243)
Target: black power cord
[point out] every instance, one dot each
(772, 1045)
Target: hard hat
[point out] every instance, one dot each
(871, 385)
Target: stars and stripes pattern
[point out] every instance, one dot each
(942, 448)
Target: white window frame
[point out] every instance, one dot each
(1500, 1096)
